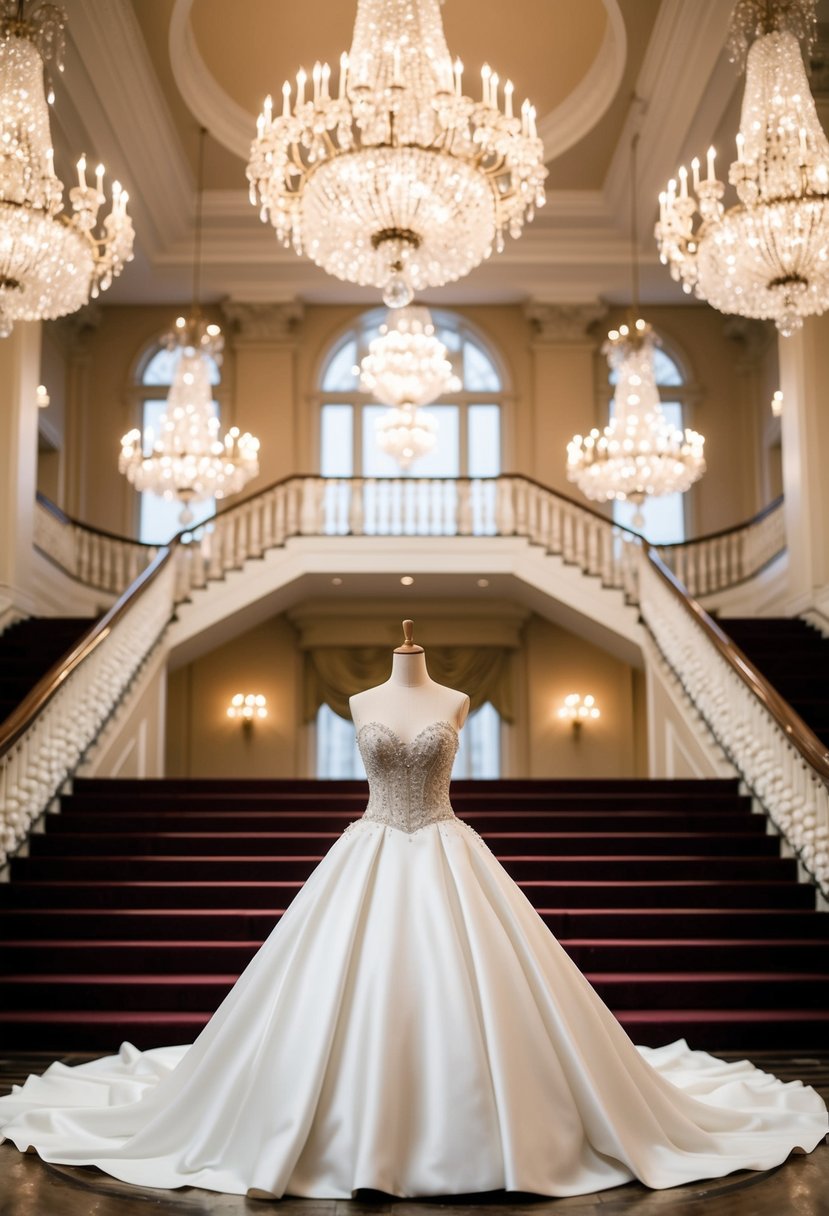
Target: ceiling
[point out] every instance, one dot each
(143, 75)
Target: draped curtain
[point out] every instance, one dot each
(334, 673)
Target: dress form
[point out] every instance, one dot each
(410, 700)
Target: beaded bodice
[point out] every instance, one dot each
(408, 782)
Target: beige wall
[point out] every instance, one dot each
(555, 389)
(203, 742)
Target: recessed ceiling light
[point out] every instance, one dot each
(407, 580)
(483, 582)
(337, 582)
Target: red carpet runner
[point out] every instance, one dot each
(143, 901)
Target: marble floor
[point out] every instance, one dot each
(30, 1187)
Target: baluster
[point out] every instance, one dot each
(280, 523)
(504, 507)
(293, 491)
(464, 491)
(520, 507)
(356, 506)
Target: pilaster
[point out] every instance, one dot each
(19, 377)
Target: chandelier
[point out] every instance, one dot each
(639, 453)
(399, 181)
(50, 263)
(188, 460)
(767, 256)
(407, 367)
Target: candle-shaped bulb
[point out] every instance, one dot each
(82, 173)
(493, 96)
(683, 182)
(486, 72)
(509, 88)
(99, 181)
(343, 72)
(458, 75)
(695, 171)
(326, 75)
(286, 100)
(712, 154)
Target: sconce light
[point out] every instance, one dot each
(577, 709)
(246, 707)
(777, 403)
(42, 397)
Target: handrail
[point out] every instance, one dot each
(63, 518)
(39, 697)
(797, 731)
(762, 514)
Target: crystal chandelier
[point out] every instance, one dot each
(638, 454)
(50, 263)
(407, 367)
(399, 181)
(767, 256)
(188, 460)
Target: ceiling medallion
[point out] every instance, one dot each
(396, 179)
(407, 367)
(767, 256)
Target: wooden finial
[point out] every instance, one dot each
(409, 645)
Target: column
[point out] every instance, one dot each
(264, 340)
(19, 378)
(804, 379)
(564, 395)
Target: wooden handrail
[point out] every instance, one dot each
(61, 515)
(799, 734)
(36, 700)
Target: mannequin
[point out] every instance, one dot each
(410, 700)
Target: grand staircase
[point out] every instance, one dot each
(794, 657)
(144, 900)
(28, 649)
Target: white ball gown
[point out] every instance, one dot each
(411, 1026)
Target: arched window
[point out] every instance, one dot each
(665, 521)
(158, 518)
(469, 422)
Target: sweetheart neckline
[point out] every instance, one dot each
(390, 730)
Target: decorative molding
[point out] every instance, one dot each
(555, 324)
(581, 110)
(262, 323)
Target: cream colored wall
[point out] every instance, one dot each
(555, 389)
(558, 663)
(203, 742)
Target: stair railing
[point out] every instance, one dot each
(732, 556)
(780, 759)
(44, 741)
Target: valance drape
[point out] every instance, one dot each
(334, 673)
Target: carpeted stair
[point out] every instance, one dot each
(28, 649)
(794, 657)
(142, 902)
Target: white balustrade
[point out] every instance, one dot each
(96, 559)
(714, 563)
(792, 791)
(34, 766)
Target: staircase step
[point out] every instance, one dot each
(246, 924)
(712, 990)
(728, 1029)
(133, 822)
(286, 843)
(542, 893)
(158, 868)
(120, 787)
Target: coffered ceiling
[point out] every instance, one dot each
(143, 75)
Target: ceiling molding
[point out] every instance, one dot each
(581, 110)
(115, 89)
(224, 118)
(680, 71)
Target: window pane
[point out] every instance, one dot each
(665, 369)
(162, 368)
(336, 441)
(479, 751)
(442, 461)
(337, 754)
(479, 374)
(159, 517)
(484, 440)
(339, 373)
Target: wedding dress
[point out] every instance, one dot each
(411, 1026)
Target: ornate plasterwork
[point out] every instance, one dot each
(267, 323)
(563, 323)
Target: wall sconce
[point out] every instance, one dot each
(777, 403)
(577, 709)
(246, 707)
(42, 397)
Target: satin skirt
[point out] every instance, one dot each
(411, 1026)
